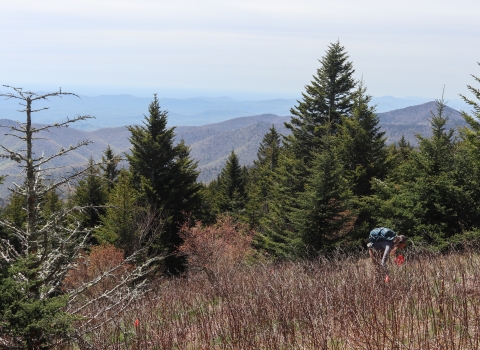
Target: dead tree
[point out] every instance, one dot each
(48, 248)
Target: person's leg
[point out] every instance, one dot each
(378, 271)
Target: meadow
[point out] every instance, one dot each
(432, 301)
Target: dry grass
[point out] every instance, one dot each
(430, 303)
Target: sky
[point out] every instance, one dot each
(245, 49)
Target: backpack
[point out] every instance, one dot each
(381, 234)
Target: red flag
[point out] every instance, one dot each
(399, 260)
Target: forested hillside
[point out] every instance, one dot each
(319, 180)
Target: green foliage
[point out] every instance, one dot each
(163, 172)
(123, 209)
(362, 145)
(329, 96)
(261, 177)
(28, 321)
(231, 186)
(90, 193)
(14, 210)
(109, 166)
(297, 185)
(468, 159)
(397, 154)
(276, 234)
(322, 210)
(430, 202)
(473, 120)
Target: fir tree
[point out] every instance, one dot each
(109, 166)
(430, 201)
(329, 97)
(231, 182)
(269, 149)
(119, 224)
(261, 175)
(91, 194)
(165, 172)
(362, 145)
(322, 209)
(276, 234)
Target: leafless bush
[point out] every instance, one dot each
(100, 260)
(430, 303)
(215, 250)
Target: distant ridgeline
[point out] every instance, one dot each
(211, 144)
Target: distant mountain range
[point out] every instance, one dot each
(212, 143)
(121, 110)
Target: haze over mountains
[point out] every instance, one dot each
(211, 143)
(122, 110)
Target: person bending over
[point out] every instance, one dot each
(384, 242)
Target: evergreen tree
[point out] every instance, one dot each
(231, 182)
(468, 164)
(430, 201)
(322, 210)
(109, 166)
(261, 175)
(14, 211)
(276, 234)
(269, 149)
(91, 194)
(473, 120)
(185, 196)
(165, 172)
(329, 97)
(153, 153)
(119, 224)
(362, 145)
(327, 101)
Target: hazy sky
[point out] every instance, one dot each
(243, 49)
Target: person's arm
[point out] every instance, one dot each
(385, 256)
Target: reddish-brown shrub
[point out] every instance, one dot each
(102, 260)
(215, 248)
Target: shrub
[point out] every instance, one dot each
(215, 249)
(102, 260)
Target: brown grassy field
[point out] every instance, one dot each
(431, 302)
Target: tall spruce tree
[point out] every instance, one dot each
(167, 174)
(322, 210)
(109, 166)
(258, 188)
(91, 194)
(232, 195)
(326, 101)
(362, 145)
(276, 232)
(329, 96)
